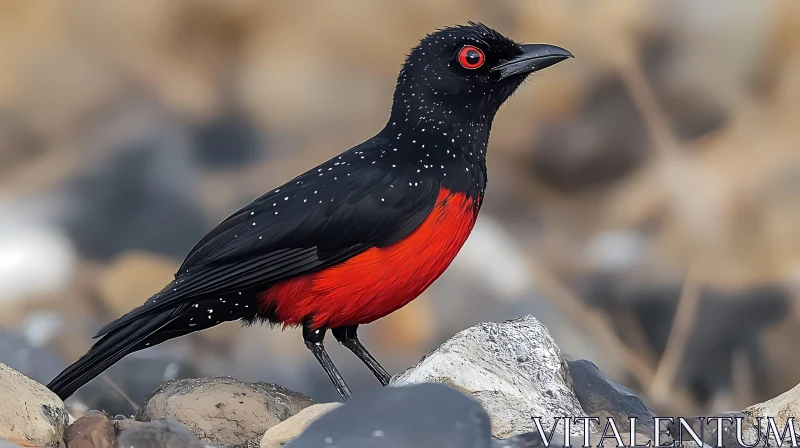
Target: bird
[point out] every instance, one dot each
(360, 235)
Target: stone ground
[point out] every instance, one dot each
(129, 129)
(480, 389)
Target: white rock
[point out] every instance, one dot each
(615, 250)
(780, 408)
(787, 403)
(30, 414)
(285, 431)
(491, 254)
(514, 369)
(36, 259)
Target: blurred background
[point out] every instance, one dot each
(642, 200)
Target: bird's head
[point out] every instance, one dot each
(468, 70)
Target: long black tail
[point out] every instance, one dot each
(156, 321)
(109, 349)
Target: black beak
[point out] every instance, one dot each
(534, 57)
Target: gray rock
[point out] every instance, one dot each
(420, 416)
(490, 281)
(709, 431)
(122, 423)
(727, 322)
(514, 369)
(166, 433)
(7, 444)
(230, 140)
(534, 440)
(595, 149)
(223, 411)
(601, 397)
(34, 415)
(526, 440)
(140, 195)
(34, 362)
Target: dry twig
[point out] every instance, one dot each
(121, 392)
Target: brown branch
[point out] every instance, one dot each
(653, 116)
(591, 322)
(661, 389)
(121, 392)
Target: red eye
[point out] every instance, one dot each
(470, 57)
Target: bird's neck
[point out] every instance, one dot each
(447, 139)
(459, 123)
(461, 141)
(424, 109)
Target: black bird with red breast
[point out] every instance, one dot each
(357, 237)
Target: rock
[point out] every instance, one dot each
(30, 413)
(223, 411)
(606, 140)
(36, 363)
(140, 195)
(8, 444)
(490, 280)
(781, 408)
(412, 328)
(290, 428)
(514, 369)
(122, 423)
(38, 258)
(785, 404)
(41, 327)
(166, 433)
(230, 140)
(707, 429)
(601, 397)
(692, 111)
(534, 440)
(727, 322)
(526, 440)
(423, 415)
(93, 430)
(616, 250)
(493, 257)
(133, 277)
(17, 142)
(137, 375)
(596, 149)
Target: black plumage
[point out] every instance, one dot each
(373, 195)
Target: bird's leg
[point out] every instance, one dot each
(347, 336)
(313, 340)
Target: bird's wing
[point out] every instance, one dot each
(316, 220)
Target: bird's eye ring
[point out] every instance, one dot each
(471, 57)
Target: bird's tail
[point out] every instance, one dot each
(110, 348)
